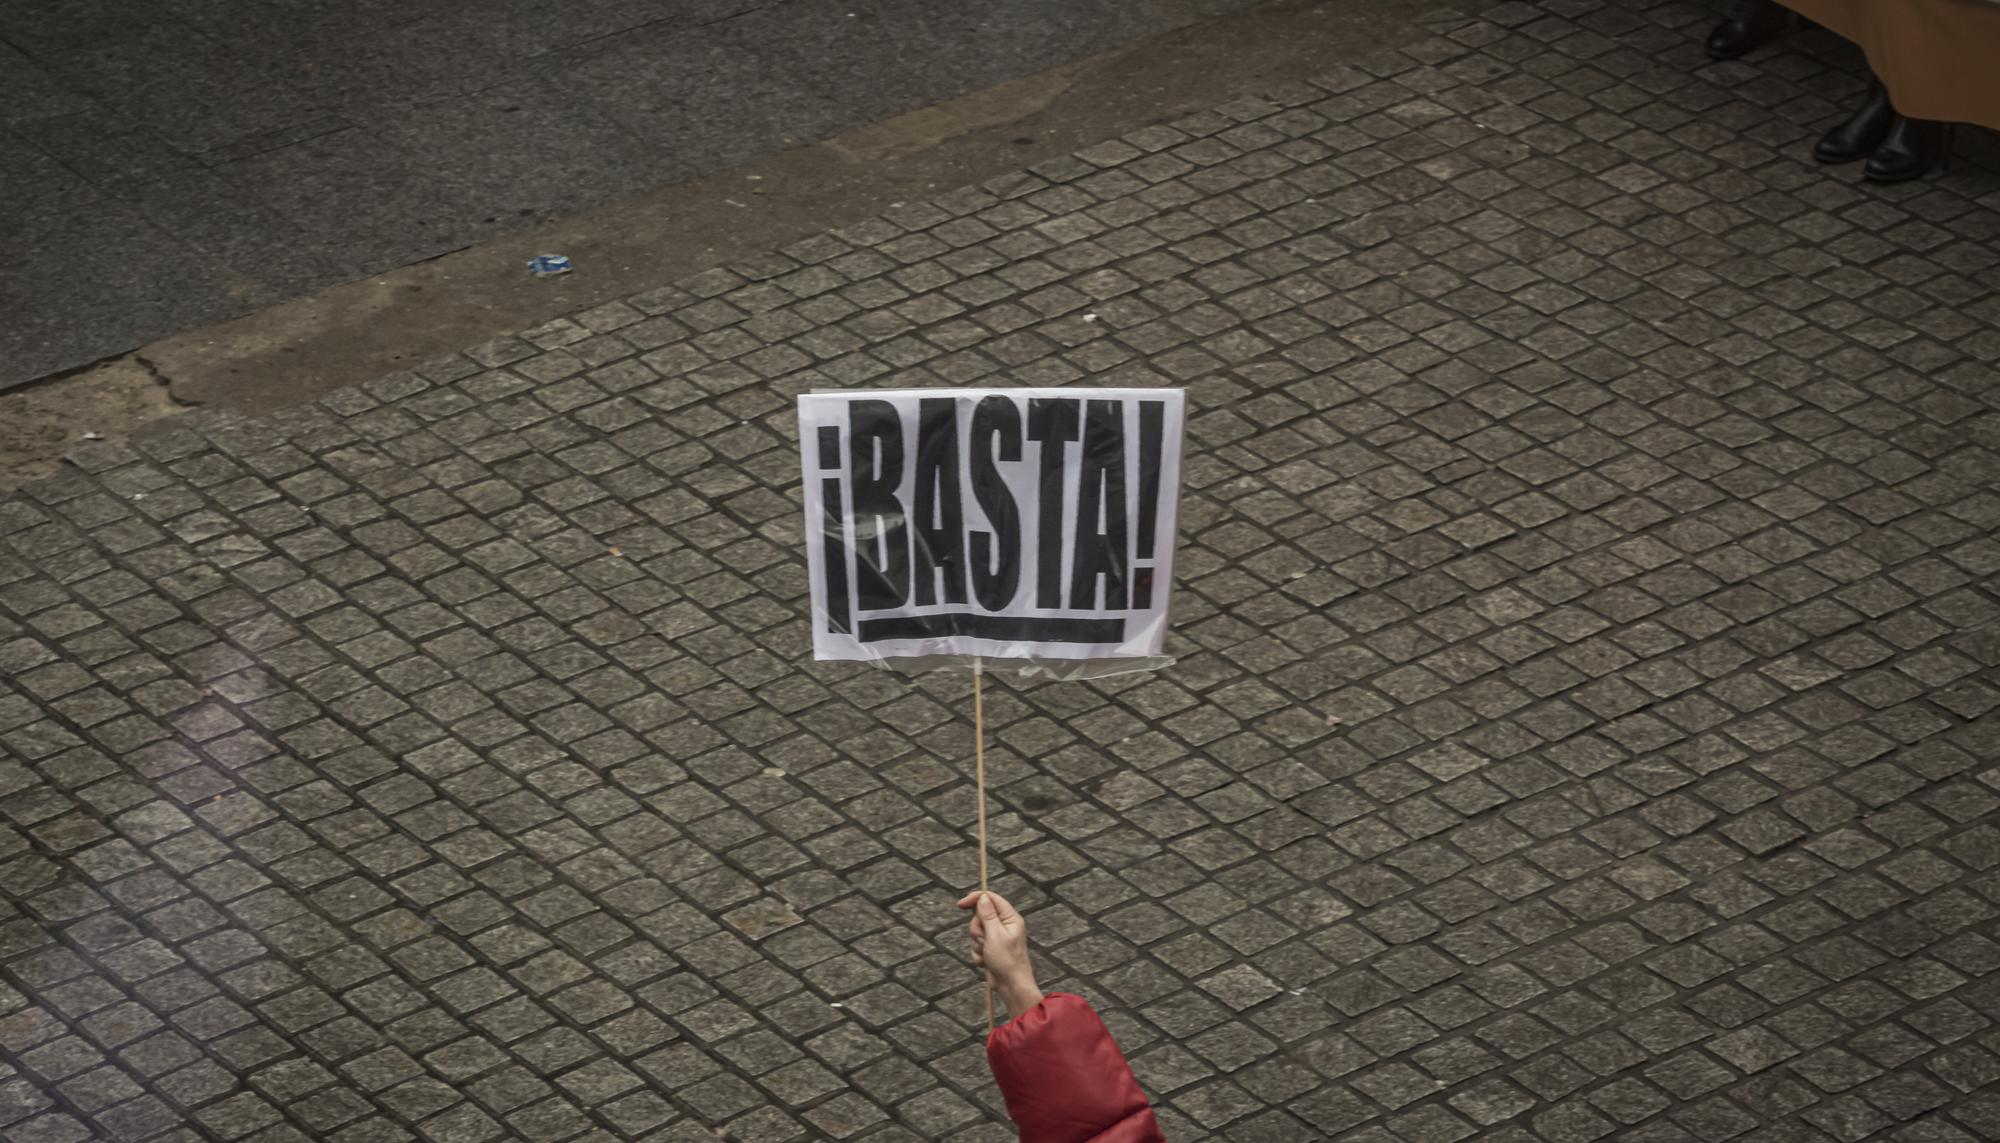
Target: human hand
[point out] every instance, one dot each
(1000, 946)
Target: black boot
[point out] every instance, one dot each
(1754, 24)
(1862, 133)
(1909, 151)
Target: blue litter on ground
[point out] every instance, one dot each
(549, 265)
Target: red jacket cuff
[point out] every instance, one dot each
(1064, 1079)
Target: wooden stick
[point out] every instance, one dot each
(979, 770)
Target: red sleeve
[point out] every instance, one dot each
(1064, 1078)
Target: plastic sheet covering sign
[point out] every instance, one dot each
(1032, 529)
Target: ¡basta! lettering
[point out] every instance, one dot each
(889, 556)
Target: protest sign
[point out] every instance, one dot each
(1028, 528)
(993, 524)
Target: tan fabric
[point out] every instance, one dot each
(1939, 58)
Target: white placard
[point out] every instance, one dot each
(999, 523)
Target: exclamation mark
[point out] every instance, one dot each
(833, 520)
(1152, 432)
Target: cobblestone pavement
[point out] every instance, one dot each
(444, 761)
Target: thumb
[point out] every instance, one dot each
(987, 910)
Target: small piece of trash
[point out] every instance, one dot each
(549, 265)
(773, 772)
(616, 551)
(93, 436)
(138, 496)
(732, 202)
(1333, 720)
(838, 1005)
(1090, 317)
